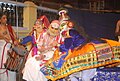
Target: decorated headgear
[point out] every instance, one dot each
(44, 21)
(63, 15)
(62, 11)
(55, 24)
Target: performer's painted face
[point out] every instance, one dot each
(53, 31)
(3, 19)
(38, 26)
(53, 28)
(63, 25)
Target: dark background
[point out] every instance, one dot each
(95, 24)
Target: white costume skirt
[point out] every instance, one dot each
(9, 75)
(32, 68)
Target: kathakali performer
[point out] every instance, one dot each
(45, 49)
(78, 53)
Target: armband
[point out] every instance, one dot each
(20, 40)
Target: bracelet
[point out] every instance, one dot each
(20, 40)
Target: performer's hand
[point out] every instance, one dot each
(54, 43)
(40, 57)
(7, 40)
(16, 42)
(42, 49)
(34, 27)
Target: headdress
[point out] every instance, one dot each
(44, 21)
(63, 14)
(62, 10)
(55, 24)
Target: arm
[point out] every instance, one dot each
(26, 40)
(117, 30)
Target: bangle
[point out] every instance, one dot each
(20, 40)
(38, 52)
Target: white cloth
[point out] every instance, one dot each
(85, 75)
(32, 68)
(3, 76)
(74, 75)
(32, 71)
(73, 79)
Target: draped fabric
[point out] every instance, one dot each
(111, 74)
(107, 74)
(69, 44)
(96, 56)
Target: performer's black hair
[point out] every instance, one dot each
(87, 37)
(2, 13)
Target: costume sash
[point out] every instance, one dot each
(90, 56)
(11, 32)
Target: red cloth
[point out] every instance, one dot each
(45, 21)
(11, 32)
